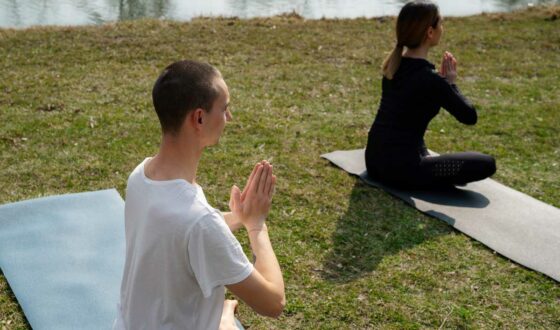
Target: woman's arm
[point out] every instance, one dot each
(450, 96)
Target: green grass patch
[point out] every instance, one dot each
(76, 115)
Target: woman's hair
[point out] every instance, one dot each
(414, 20)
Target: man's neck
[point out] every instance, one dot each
(177, 159)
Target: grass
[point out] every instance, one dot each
(76, 115)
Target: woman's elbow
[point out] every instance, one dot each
(470, 120)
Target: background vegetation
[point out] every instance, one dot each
(76, 115)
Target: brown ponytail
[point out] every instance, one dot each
(414, 20)
(392, 62)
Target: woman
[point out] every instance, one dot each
(412, 95)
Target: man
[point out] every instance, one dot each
(180, 252)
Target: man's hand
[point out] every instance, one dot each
(228, 319)
(252, 205)
(263, 289)
(448, 68)
(231, 220)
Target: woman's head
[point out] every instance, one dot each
(416, 20)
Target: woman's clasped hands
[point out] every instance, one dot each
(448, 68)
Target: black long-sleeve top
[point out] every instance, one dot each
(408, 103)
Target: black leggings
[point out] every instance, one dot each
(448, 169)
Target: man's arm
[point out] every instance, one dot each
(228, 316)
(263, 290)
(232, 221)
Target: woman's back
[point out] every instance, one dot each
(396, 149)
(409, 102)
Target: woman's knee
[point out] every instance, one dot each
(485, 163)
(489, 164)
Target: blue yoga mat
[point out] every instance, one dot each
(63, 257)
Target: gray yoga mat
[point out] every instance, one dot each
(511, 223)
(63, 257)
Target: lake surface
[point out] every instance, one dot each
(24, 13)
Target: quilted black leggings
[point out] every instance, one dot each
(448, 169)
(456, 168)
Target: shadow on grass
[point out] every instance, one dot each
(375, 225)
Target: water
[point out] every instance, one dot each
(24, 13)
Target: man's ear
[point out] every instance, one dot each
(198, 117)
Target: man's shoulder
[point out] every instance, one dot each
(137, 172)
(172, 202)
(184, 202)
(209, 219)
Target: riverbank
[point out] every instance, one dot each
(76, 115)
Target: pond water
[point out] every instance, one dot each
(24, 13)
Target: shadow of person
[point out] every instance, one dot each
(447, 195)
(375, 225)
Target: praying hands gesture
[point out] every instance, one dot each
(263, 290)
(448, 68)
(251, 206)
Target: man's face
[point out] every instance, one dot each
(219, 114)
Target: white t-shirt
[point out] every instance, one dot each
(179, 255)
